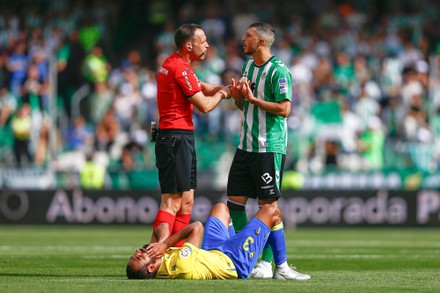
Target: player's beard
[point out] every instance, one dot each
(249, 50)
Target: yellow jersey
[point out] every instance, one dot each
(192, 263)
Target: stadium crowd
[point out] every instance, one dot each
(361, 69)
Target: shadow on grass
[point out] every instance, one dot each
(61, 276)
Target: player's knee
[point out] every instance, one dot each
(273, 211)
(220, 211)
(220, 208)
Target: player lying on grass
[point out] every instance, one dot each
(223, 254)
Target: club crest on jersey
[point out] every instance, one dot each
(185, 251)
(282, 83)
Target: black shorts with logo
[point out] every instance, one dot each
(176, 160)
(256, 175)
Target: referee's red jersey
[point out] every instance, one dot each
(176, 81)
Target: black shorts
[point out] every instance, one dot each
(176, 160)
(256, 175)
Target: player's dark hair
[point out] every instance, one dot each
(264, 27)
(142, 273)
(185, 33)
(264, 30)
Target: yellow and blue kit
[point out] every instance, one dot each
(223, 255)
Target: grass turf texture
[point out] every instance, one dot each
(93, 259)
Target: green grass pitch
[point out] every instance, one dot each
(93, 259)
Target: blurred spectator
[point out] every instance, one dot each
(8, 105)
(39, 54)
(148, 106)
(42, 145)
(106, 131)
(418, 135)
(34, 90)
(231, 117)
(93, 175)
(89, 34)
(343, 71)
(134, 61)
(100, 101)
(69, 60)
(366, 107)
(21, 128)
(303, 76)
(411, 86)
(17, 64)
(371, 145)
(127, 99)
(4, 73)
(164, 41)
(79, 136)
(95, 66)
(213, 24)
(415, 122)
(242, 19)
(392, 117)
(352, 126)
(331, 149)
(134, 154)
(410, 54)
(233, 55)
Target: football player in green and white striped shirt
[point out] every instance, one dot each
(264, 94)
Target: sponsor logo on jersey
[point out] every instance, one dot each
(163, 71)
(185, 251)
(282, 83)
(199, 84)
(257, 231)
(188, 83)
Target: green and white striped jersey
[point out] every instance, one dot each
(262, 131)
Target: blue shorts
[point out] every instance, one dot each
(243, 249)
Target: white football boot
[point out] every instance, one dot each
(289, 273)
(263, 270)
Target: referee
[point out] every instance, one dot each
(178, 91)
